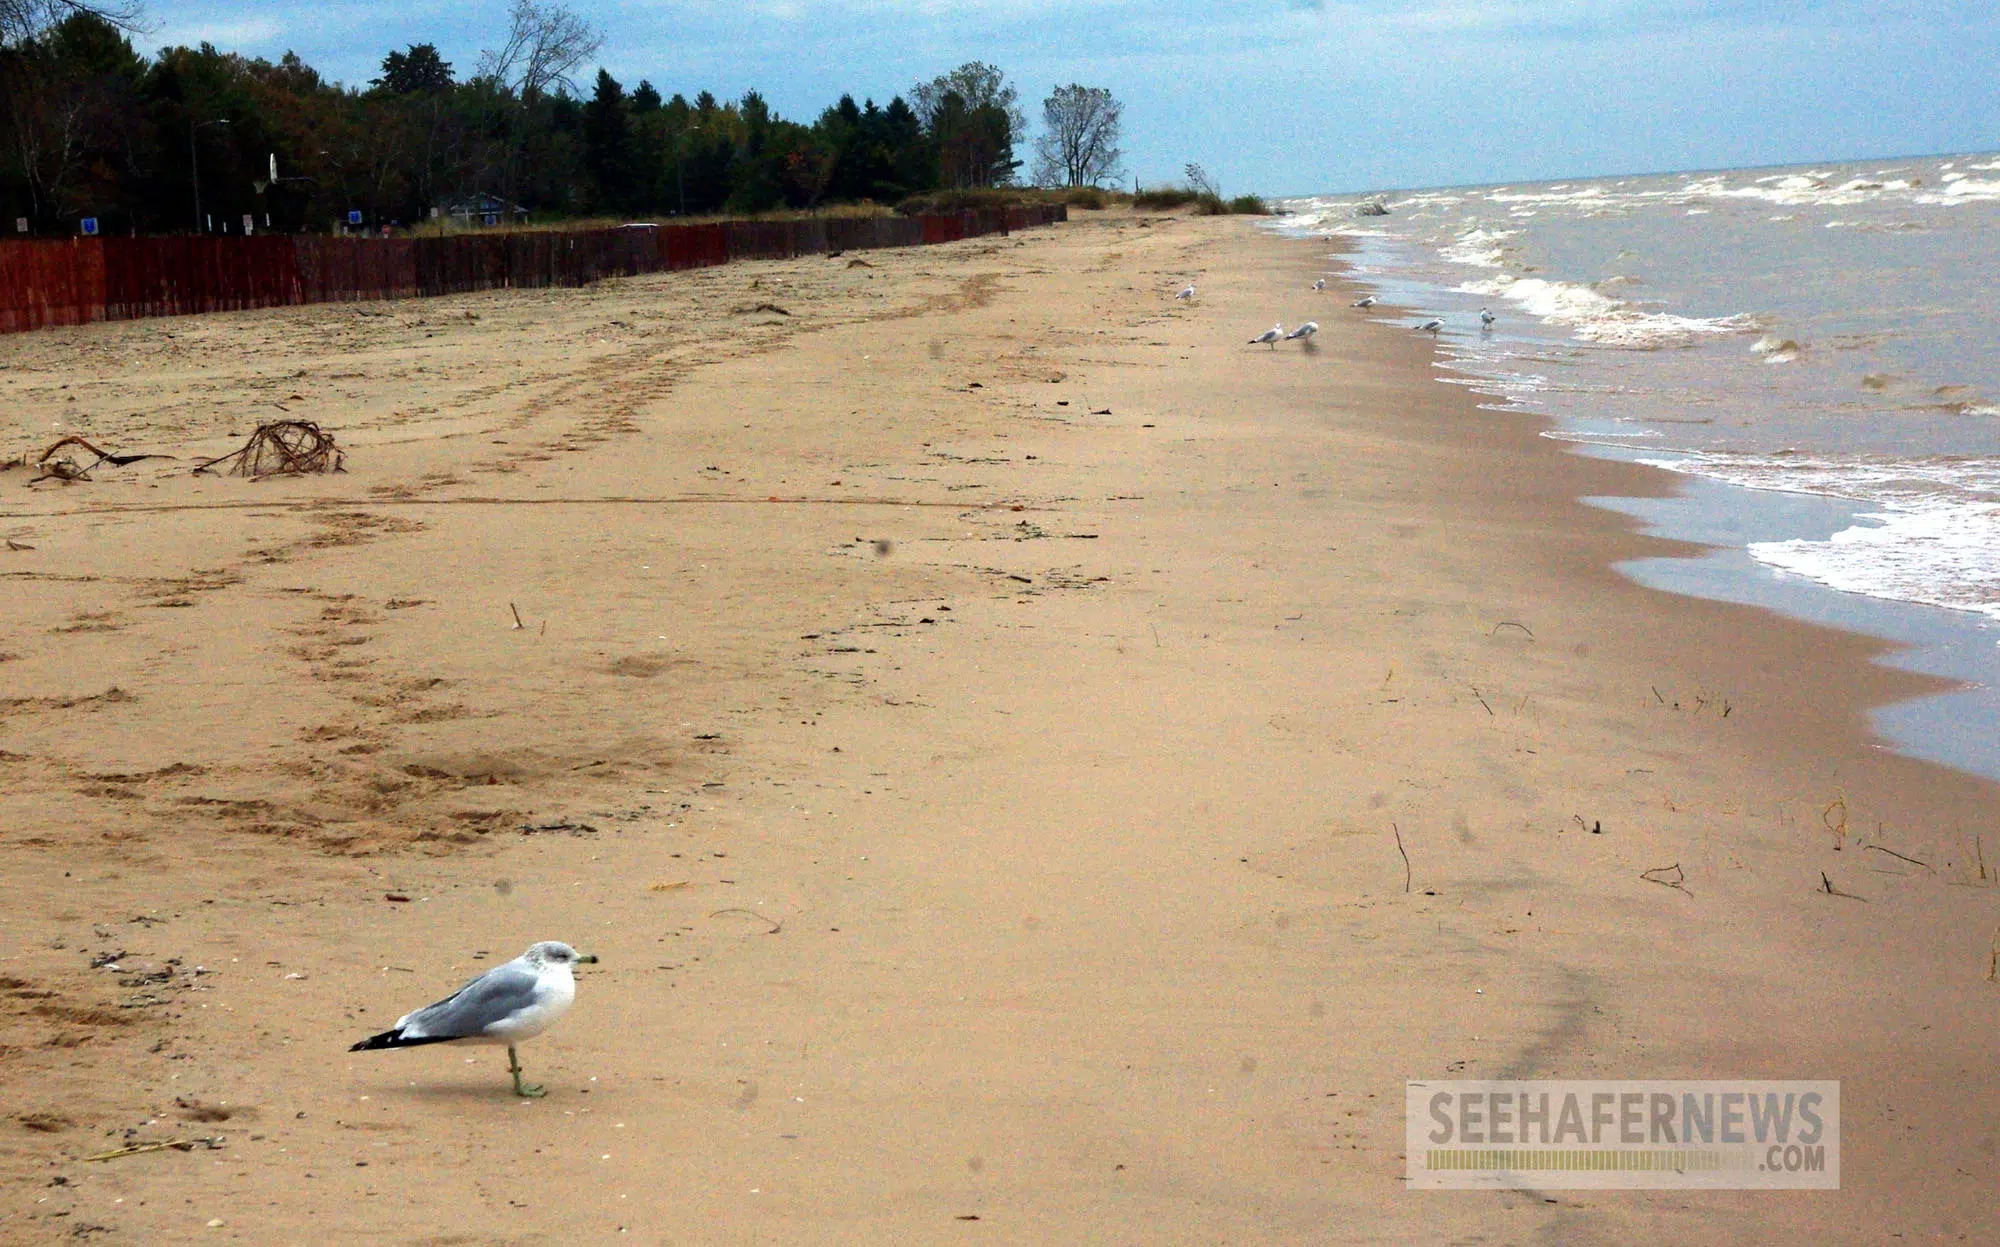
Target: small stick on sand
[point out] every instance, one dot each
(776, 926)
(1406, 855)
(1667, 877)
(1826, 885)
(1902, 857)
(1993, 960)
(1508, 623)
(518, 625)
(140, 1149)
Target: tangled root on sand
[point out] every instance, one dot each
(283, 447)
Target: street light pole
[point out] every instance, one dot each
(194, 163)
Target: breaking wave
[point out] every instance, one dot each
(1600, 318)
(1931, 535)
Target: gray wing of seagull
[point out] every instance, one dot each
(493, 997)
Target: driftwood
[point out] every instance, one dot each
(282, 448)
(68, 469)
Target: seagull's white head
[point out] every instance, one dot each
(555, 953)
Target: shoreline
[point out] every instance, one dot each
(1012, 839)
(1947, 634)
(1952, 728)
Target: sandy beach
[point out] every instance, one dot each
(972, 703)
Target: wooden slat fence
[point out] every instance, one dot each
(81, 280)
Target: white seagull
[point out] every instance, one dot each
(1269, 337)
(1187, 293)
(1320, 284)
(1431, 327)
(1306, 330)
(1367, 302)
(1486, 318)
(506, 1005)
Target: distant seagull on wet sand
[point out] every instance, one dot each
(1367, 302)
(506, 1005)
(1431, 327)
(1486, 318)
(1320, 284)
(1187, 293)
(1306, 330)
(1269, 337)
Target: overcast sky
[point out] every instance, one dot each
(1287, 96)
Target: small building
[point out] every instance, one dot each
(482, 209)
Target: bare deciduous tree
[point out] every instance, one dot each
(24, 19)
(1079, 142)
(545, 44)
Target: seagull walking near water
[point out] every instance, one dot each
(1320, 284)
(1431, 327)
(1367, 302)
(1304, 331)
(1269, 337)
(506, 1005)
(1486, 318)
(1186, 294)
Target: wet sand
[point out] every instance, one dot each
(971, 716)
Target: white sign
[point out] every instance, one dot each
(20, 225)
(249, 224)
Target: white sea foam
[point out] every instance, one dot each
(1937, 554)
(1599, 318)
(1857, 478)
(1480, 248)
(1932, 534)
(1963, 190)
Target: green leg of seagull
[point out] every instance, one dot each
(532, 1090)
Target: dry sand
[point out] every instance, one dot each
(970, 716)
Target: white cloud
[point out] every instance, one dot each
(230, 34)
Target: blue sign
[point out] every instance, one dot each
(90, 226)
(354, 216)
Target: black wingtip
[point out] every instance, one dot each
(395, 1039)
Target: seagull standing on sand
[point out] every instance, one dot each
(1431, 327)
(1306, 330)
(1486, 318)
(1367, 302)
(1320, 284)
(1187, 293)
(1269, 337)
(506, 1005)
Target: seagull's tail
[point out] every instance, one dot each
(396, 1039)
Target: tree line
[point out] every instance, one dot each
(198, 140)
